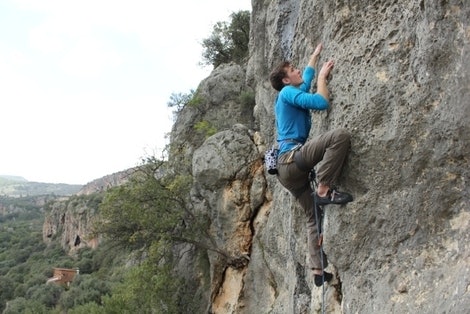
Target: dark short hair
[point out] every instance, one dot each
(278, 74)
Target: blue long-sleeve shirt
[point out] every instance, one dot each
(292, 110)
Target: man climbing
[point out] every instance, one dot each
(297, 156)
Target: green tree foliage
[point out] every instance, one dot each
(153, 208)
(26, 264)
(239, 32)
(46, 294)
(179, 100)
(151, 287)
(91, 308)
(147, 209)
(26, 306)
(85, 289)
(151, 214)
(7, 288)
(228, 41)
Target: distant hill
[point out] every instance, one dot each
(16, 186)
(6, 178)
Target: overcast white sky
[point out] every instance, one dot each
(84, 85)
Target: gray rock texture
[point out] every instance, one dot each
(401, 87)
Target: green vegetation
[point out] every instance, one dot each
(145, 210)
(11, 179)
(179, 100)
(205, 128)
(247, 99)
(151, 215)
(20, 187)
(147, 288)
(26, 263)
(228, 41)
(134, 268)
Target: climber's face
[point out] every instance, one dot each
(293, 76)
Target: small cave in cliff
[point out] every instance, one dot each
(77, 241)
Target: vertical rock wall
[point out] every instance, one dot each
(70, 222)
(401, 87)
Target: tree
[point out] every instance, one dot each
(153, 208)
(239, 32)
(152, 215)
(85, 289)
(228, 42)
(22, 305)
(151, 287)
(141, 212)
(46, 294)
(6, 291)
(179, 100)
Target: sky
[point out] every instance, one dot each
(84, 85)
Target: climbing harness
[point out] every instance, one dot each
(318, 219)
(271, 156)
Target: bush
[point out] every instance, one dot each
(89, 308)
(179, 100)
(148, 288)
(6, 290)
(247, 99)
(46, 294)
(22, 305)
(205, 128)
(85, 289)
(228, 42)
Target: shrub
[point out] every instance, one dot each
(22, 305)
(247, 99)
(228, 42)
(205, 128)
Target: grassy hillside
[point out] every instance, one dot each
(15, 186)
(8, 179)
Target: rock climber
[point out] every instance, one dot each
(297, 155)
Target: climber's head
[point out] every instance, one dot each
(285, 74)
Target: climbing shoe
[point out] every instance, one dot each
(320, 279)
(333, 197)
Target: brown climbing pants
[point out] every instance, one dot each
(331, 149)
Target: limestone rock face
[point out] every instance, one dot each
(70, 222)
(401, 87)
(106, 182)
(229, 182)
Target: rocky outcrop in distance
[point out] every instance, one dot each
(70, 220)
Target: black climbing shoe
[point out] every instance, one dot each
(319, 278)
(333, 197)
